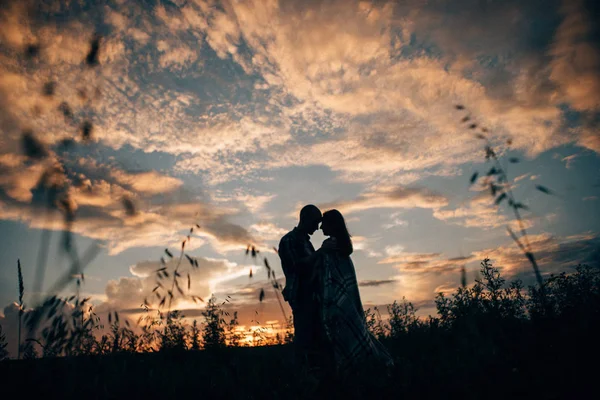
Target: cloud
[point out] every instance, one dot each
(421, 275)
(480, 212)
(129, 292)
(96, 192)
(150, 182)
(348, 80)
(375, 283)
(521, 177)
(365, 244)
(423, 263)
(569, 160)
(409, 257)
(267, 231)
(18, 185)
(254, 201)
(575, 64)
(395, 221)
(446, 288)
(13, 31)
(391, 197)
(129, 111)
(590, 133)
(339, 84)
(175, 57)
(554, 254)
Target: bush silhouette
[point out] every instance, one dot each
(213, 332)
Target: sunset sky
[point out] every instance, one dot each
(232, 115)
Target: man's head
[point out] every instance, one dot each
(310, 216)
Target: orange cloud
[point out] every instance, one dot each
(96, 193)
(150, 182)
(576, 61)
(391, 197)
(387, 117)
(553, 254)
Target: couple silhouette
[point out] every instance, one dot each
(330, 328)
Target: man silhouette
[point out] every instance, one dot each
(297, 259)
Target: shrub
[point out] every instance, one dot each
(488, 299)
(3, 345)
(402, 318)
(174, 335)
(213, 332)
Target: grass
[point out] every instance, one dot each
(490, 339)
(431, 362)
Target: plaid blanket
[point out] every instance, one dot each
(342, 312)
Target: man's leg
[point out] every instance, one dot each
(323, 361)
(301, 337)
(322, 351)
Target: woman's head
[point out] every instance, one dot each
(333, 225)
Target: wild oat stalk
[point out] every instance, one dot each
(56, 183)
(500, 189)
(21, 292)
(162, 273)
(276, 288)
(175, 281)
(270, 276)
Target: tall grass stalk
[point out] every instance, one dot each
(175, 275)
(515, 206)
(503, 191)
(21, 292)
(251, 249)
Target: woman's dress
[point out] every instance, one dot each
(342, 313)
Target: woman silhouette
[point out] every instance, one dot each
(340, 307)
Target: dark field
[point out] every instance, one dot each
(429, 364)
(487, 342)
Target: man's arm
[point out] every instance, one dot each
(287, 255)
(294, 258)
(306, 262)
